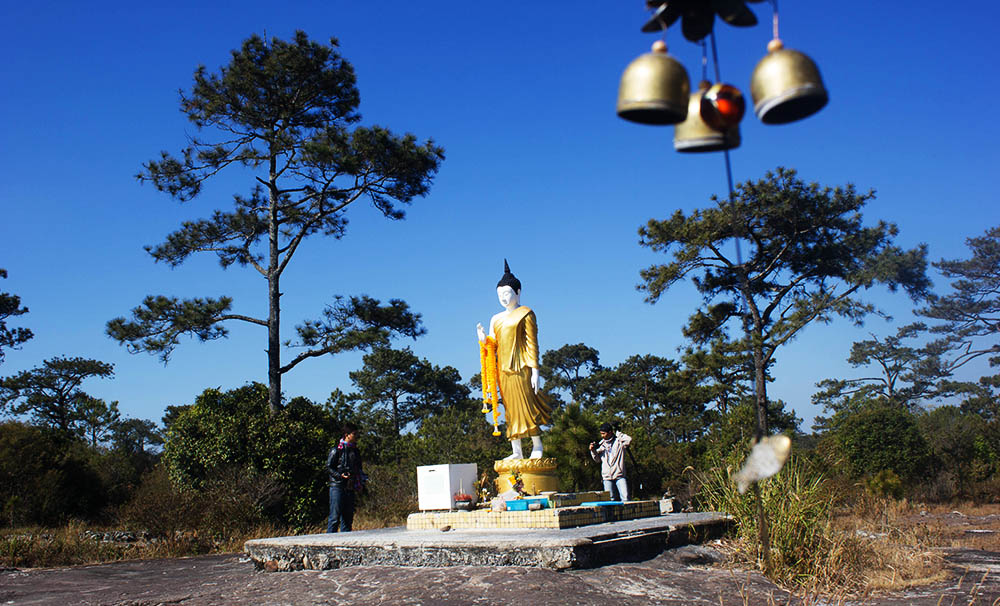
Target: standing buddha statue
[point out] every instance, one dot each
(515, 332)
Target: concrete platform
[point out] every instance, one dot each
(560, 549)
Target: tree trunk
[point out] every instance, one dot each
(760, 388)
(756, 335)
(395, 413)
(753, 326)
(273, 299)
(273, 345)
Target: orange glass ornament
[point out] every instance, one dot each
(722, 106)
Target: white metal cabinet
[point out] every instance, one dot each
(437, 484)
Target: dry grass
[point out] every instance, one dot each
(959, 524)
(363, 521)
(880, 551)
(78, 544)
(882, 545)
(872, 546)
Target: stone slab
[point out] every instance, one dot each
(559, 549)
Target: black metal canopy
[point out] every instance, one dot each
(698, 16)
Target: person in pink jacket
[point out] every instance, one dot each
(610, 451)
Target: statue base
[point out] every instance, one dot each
(537, 475)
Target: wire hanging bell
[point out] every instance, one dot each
(786, 86)
(654, 89)
(694, 134)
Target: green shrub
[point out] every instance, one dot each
(877, 438)
(46, 479)
(965, 453)
(234, 501)
(573, 429)
(885, 484)
(233, 433)
(458, 434)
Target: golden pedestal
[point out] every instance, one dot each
(537, 475)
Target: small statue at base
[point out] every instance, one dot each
(515, 332)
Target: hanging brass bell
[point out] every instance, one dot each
(695, 135)
(654, 89)
(786, 86)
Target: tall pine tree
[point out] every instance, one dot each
(282, 110)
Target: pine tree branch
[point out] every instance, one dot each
(243, 318)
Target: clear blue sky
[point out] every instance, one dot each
(539, 170)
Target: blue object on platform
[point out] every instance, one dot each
(522, 504)
(600, 503)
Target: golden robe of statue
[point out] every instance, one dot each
(516, 333)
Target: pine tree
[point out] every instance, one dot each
(283, 111)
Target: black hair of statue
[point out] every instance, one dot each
(508, 279)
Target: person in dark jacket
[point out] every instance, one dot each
(346, 480)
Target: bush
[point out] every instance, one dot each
(573, 429)
(458, 434)
(230, 503)
(730, 431)
(46, 479)
(964, 454)
(879, 438)
(885, 484)
(234, 502)
(233, 433)
(159, 507)
(391, 495)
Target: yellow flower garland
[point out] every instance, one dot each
(491, 379)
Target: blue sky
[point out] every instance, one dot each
(539, 170)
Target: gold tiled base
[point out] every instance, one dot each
(537, 475)
(562, 517)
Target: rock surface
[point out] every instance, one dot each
(678, 576)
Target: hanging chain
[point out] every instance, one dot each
(704, 60)
(774, 19)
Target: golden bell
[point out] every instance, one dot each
(654, 89)
(695, 135)
(786, 86)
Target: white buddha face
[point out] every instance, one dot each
(508, 297)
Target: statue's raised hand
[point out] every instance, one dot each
(480, 332)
